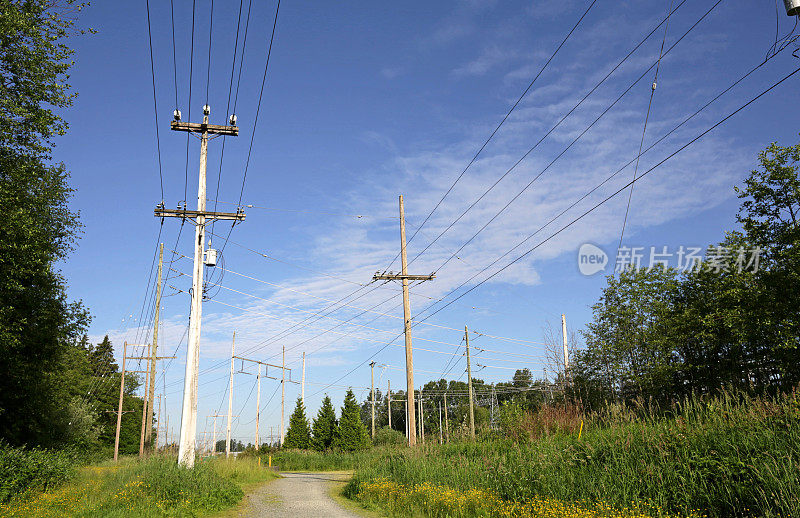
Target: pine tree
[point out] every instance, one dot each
(325, 426)
(299, 434)
(352, 434)
(102, 358)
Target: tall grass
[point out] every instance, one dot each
(728, 456)
(154, 487)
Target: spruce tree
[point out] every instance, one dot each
(352, 433)
(325, 426)
(299, 433)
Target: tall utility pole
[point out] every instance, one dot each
(214, 444)
(121, 394)
(154, 349)
(283, 388)
(421, 419)
(372, 394)
(469, 387)
(441, 437)
(566, 352)
(186, 451)
(145, 405)
(230, 400)
(303, 386)
(405, 277)
(389, 402)
(258, 403)
(446, 424)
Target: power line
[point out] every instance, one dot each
(210, 34)
(547, 134)
(189, 106)
(174, 58)
(575, 220)
(609, 178)
(228, 105)
(572, 143)
(260, 96)
(155, 104)
(491, 136)
(644, 128)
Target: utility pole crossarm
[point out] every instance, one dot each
(401, 276)
(202, 127)
(161, 212)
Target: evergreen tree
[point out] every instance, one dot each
(102, 358)
(325, 426)
(352, 433)
(299, 433)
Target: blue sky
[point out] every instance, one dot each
(364, 102)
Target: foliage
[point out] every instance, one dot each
(352, 434)
(23, 470)
(325, 426)
(155, 487)
(732, 455)
(299, 433)
(389, 437)
(38, 324)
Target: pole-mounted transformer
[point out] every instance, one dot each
(792, 7)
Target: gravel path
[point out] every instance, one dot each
(297, 495)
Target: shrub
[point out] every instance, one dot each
(24, 470)
(389, 437)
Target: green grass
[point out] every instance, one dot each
(723, 457)
(730, 456)
(155, 487)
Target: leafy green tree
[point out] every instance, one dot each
(325, 426)
(352, 433)
(37, 322)
(299, 433)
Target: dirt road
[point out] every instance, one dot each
(298, 495)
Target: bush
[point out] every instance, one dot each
(24, 470)
(389, 437)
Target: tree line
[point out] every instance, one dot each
(730, 321)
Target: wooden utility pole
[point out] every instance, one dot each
(258, 403)
(283, 389)
(441, 437)
(144, 413)
(469, 388)
(154, 350)
(421, 418)
(566, 352)
(186, 450)
(405, 277)
(214, 445)
(258, 396)
(230, 400)
(303, 386)
(389, 402)
(121, 394)
(372, 394)
(446, 423)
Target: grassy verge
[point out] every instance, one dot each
(727, 457)
(155, 487)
